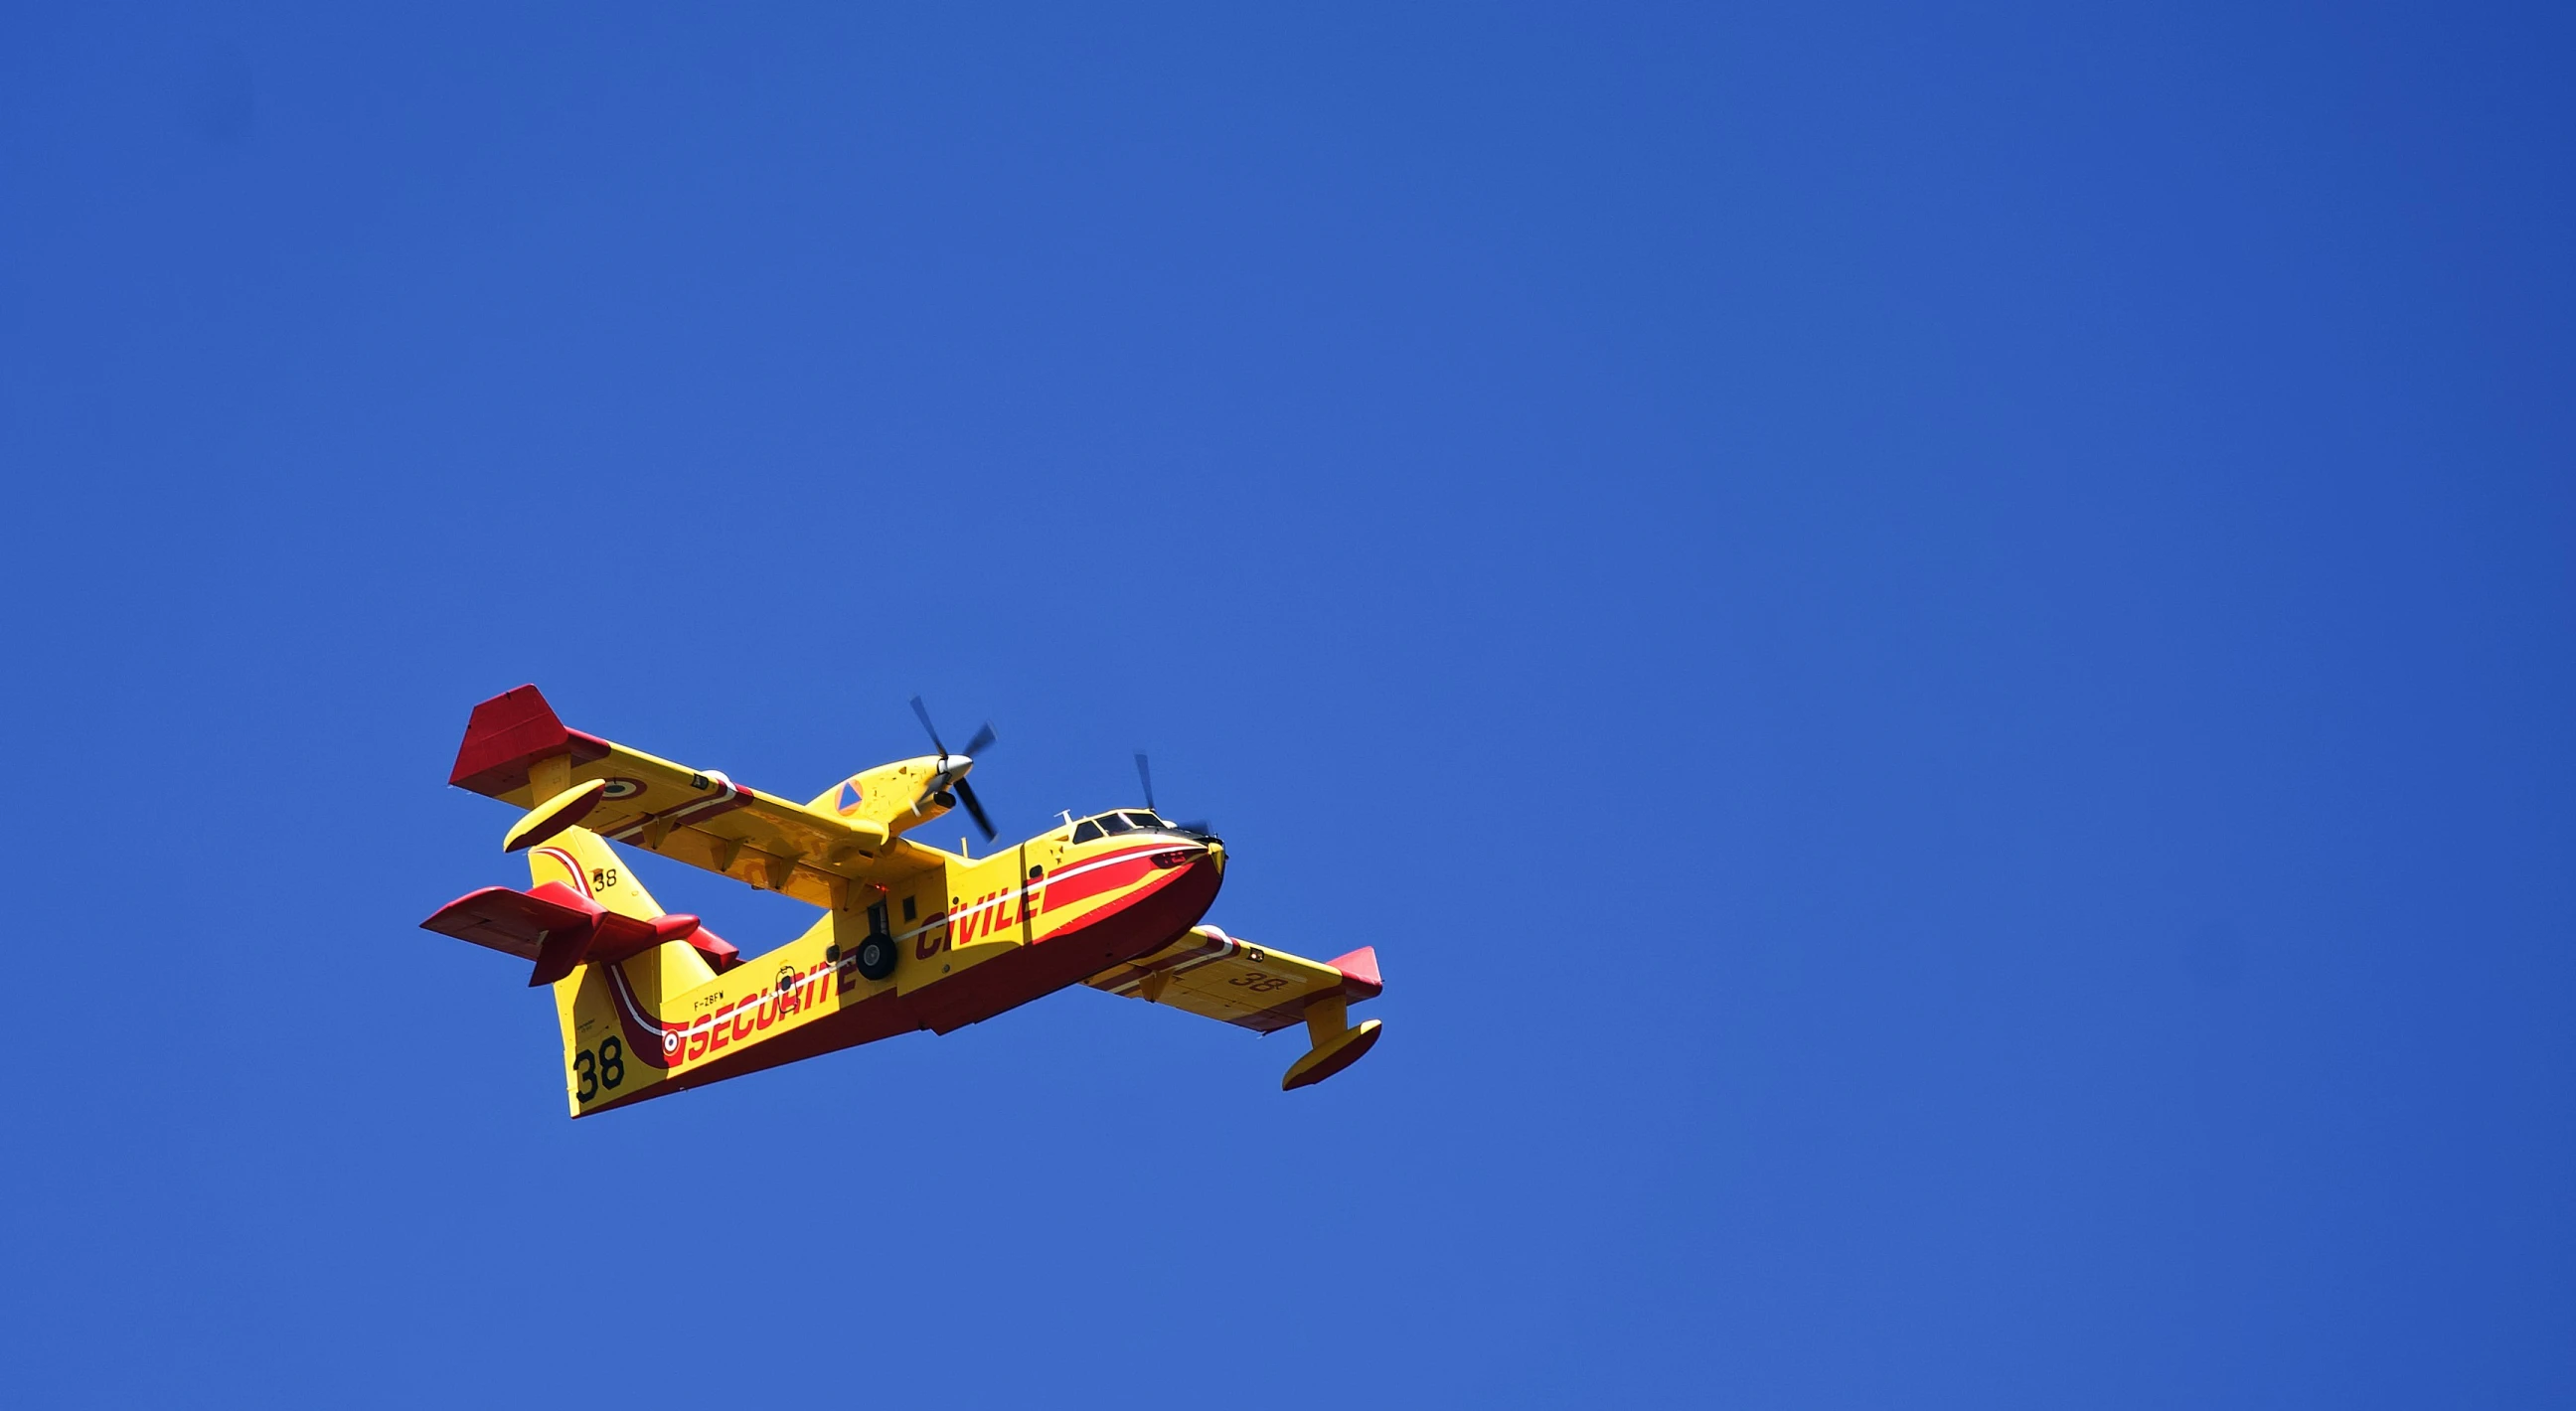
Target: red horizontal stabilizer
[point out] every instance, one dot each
(557, 894)
(1359, 974)
(509, 732)
(720, 953)
(622, 936)
(562, 952)
(561, 929)
(504, 919)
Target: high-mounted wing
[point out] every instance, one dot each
(1255, 987)
(517, 750)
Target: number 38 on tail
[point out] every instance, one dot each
(912, 937)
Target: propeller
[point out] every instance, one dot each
(1145, 776)
(953, 776)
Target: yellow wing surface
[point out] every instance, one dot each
(1255, 987)
(517, 750)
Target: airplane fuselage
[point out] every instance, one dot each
(971, 938)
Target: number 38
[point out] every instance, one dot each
(605, 1069)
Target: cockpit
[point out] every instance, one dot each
(1127, 820)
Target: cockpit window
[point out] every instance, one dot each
(1116, 823)
(1145, 820)
(1086, 831)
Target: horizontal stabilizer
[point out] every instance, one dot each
(560, 929)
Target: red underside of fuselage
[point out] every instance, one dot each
(1145, 923)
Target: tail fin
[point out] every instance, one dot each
(582, 860)
(608, 949)
(613, 1041)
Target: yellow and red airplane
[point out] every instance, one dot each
(913, 937)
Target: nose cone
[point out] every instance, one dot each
(958, 765)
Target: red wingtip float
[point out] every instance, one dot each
(912, 937)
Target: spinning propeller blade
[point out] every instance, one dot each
(1145, 776)
(923, 712)
(965, 792)
(975, 806)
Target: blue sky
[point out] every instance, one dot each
(1935, 649)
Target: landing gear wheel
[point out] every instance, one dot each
(876, 957)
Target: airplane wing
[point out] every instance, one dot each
(1209, 972)
(517, 750)
(1254, 987)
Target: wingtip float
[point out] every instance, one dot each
(913, 937)
(555, 815)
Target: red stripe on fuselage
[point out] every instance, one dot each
(1094, 876)
(1149, 919)
(571, 864)
(643, 1033)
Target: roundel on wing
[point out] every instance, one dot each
(848, 802)
(622, 789)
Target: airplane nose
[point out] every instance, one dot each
(1216, 854)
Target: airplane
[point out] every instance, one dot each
(913, 937)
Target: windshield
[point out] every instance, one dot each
(1125, 821)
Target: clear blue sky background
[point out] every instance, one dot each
(1935, 648)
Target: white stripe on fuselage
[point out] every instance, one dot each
(1039, 884)
(635, 1010)
(571, 864)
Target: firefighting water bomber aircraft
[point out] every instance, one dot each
(913, 937)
